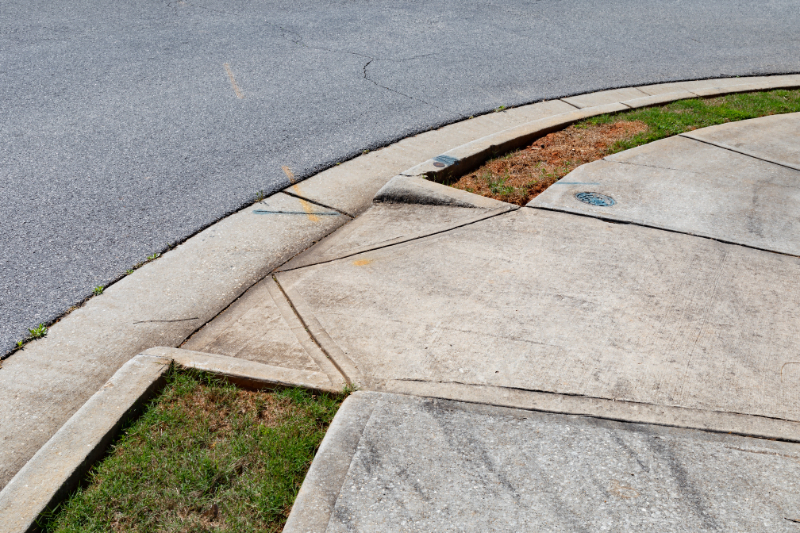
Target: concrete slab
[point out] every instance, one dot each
(775, 138)
(430, 465)
(388, 224)
(253, 328)
(160, 304)
(684, 185)
(544, 301)
(604, 97)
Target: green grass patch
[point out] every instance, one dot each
(203, 456)
(687, 115)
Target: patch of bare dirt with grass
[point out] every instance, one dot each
(520, 176)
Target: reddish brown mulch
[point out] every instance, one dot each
(520, 176)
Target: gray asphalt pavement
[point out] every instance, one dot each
(126, 126)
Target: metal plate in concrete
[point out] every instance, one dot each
(546, 301)
(684, 185)
(432, 465)
(775, 138)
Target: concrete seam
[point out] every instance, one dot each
(347, 379)
(569, 103)
(300, 197)
(618, 418)
(728, 148)
(493, 213)
(321, 357)
(346, 366)
(660, 228)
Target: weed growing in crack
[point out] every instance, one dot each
(38, 332)
(500, 109)
(260, 196)
(98, 290)
(154, 256)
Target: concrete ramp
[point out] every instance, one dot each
(542, 301)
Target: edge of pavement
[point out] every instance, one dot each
(164, 302)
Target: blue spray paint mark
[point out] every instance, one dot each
(446, 159)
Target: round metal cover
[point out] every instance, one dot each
(595, 198)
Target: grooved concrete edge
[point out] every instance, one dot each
(61, 464)
(317, 496)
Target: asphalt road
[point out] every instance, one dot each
(128, 125)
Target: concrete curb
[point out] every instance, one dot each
(415, 190)
(61, 464)
(466, 157)
(317, 496)
(160, 304)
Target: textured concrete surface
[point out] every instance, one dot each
(689, 186)
(254, 328)
(432, 465)
(128, 127)
(547, 301)
(160, 304)
(775, 138)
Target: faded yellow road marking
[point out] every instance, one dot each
(307, 207)
(362, 262)
(289, 173)
(236, 89)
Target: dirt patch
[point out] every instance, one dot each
(520, 176)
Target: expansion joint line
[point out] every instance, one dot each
(404, 241)
(649, 226)
(320, 204)
(310, 333)
(728, 148)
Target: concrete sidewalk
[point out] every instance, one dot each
(648, 302)
(670, 299)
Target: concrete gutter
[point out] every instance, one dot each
(63, 462)
(52, 381)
